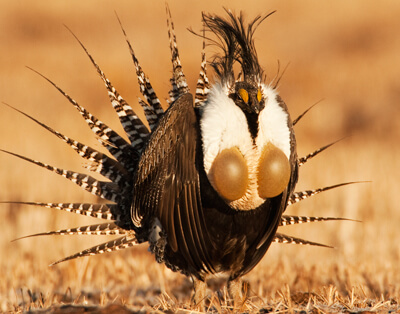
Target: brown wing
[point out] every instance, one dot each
(167, 184)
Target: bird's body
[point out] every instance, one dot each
(203, 234)
(207, 185)
(209, 222)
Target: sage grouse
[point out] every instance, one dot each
(207, 184)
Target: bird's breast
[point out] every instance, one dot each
(242, 169)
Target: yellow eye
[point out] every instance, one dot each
(259, 96)
(244, 95)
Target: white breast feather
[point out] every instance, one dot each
(272, 123)
(224, 125)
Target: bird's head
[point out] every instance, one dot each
(248, 97)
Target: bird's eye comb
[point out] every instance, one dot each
(244, 95)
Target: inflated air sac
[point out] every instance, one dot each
(229, 174)
(273, 172)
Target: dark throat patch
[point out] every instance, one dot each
(252, 123)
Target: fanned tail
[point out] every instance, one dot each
(133, 126)
(107, 190)
(100, 163)
(126, 155)
(119, 170)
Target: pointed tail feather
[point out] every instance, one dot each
(303, 160)
(203, 85)
(283, 238)
(178, 76)
(303, 114)
(144, 83)
(116, 145)
(97, 229)
(114, 245)
(106, 190)
(131, 123)
(294, 220)
(101, 211)
(173, 93)
(100, 163)
(299, 196)
(150, 114)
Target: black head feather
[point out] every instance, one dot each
(236, 41)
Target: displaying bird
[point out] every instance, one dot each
(207, 185)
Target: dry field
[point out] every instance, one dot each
(344, 52)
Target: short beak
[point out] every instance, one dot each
(256, 107)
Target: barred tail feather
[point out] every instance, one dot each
(115, 144)
(299, 196)
(303, 160)
(150, 114)
(106, 190)
(283, 238)
(101, 211)
(294, 220)
(178, 77)
(133, 126)
(100, 163)
(173, 92)
(144, 83)
(203, 85)
(114, 245)
(97, 229)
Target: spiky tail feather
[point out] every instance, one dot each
(101, 211)
(144, 83)
(203, 85)
(133, 126)
(100, 163)
(299, 196)
(301, 161)
(283, 238)
(126, 155)
(287, 220)
(108, 228)
(179, 84)
(113, 245)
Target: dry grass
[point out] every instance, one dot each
(345, 52)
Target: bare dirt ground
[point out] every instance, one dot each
(346, 53)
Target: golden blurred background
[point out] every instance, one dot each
(345, 53)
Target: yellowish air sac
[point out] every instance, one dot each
(229, 174)
(273, 172)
